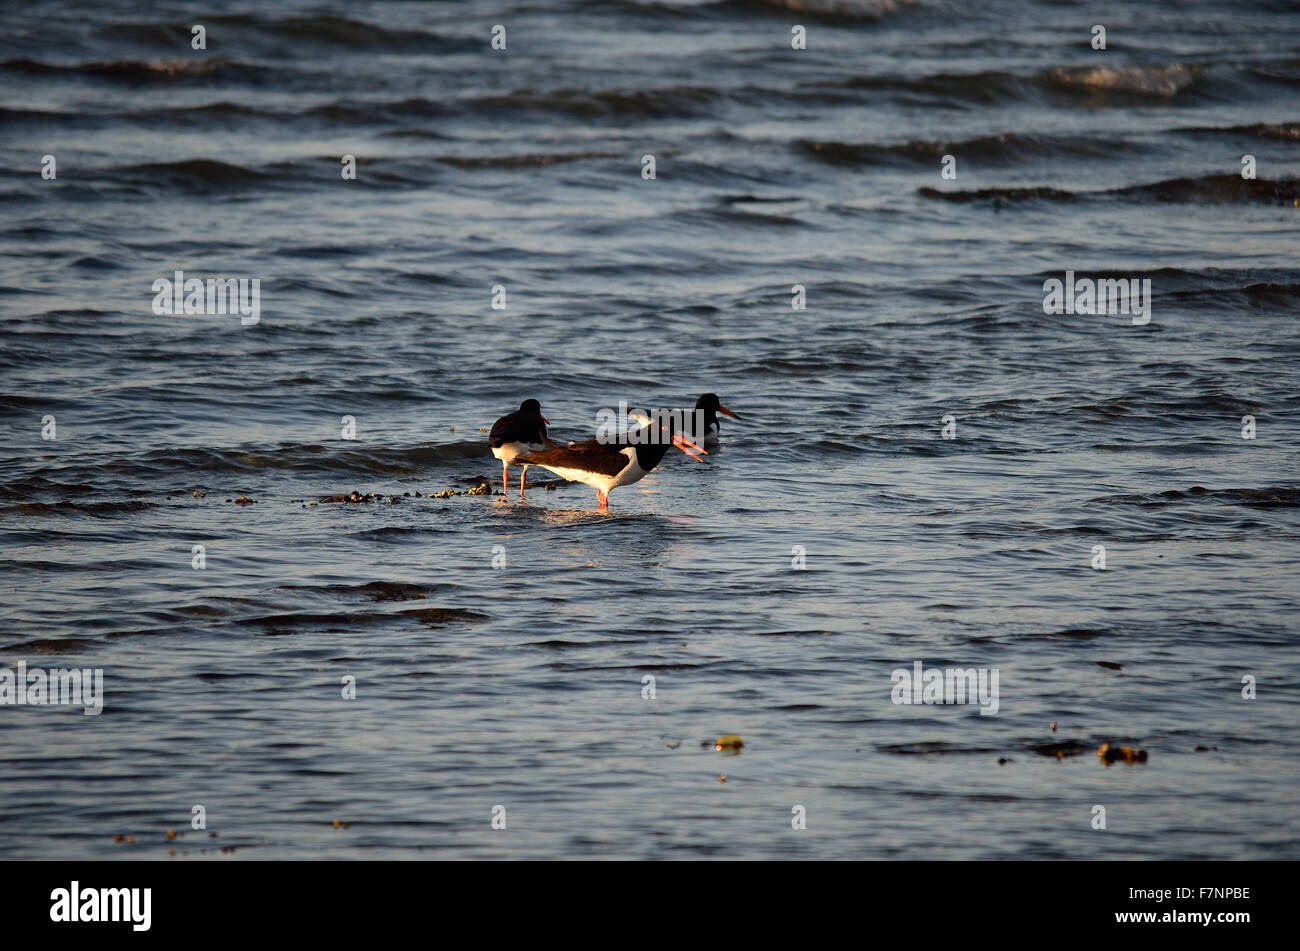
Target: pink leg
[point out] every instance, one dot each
(521, 482)
(505, 479)
(603, 499)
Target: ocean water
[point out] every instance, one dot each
(835, 537)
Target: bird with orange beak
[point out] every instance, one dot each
(521, 431)
(712, 406)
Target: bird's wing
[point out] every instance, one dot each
(501, 428)
(514, 428)
(587, 457)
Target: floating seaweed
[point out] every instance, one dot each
(1113, 754)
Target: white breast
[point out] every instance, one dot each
(507, 451)
(625, 476)
(631, 473)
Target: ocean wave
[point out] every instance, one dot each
(374, 590)
(1215, 189)
(1285, 72)
(522, 161)
(1090, 85)
(1258, 294)
(985, 86)
(190, 173)
(370, 461)
(1270, 496)
(1159, 82)
(380, 112)
(834, 10)
(314, 30)
(1207, 189)
(144, 71)
(1005, 147)
(653, 103)
(106, 509)
(341, 621)
(1215, 287)
(206, 175)
(999, 195)
(1276, 132)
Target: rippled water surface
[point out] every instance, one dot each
(523, 686)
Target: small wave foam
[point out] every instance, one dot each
(1161, 82)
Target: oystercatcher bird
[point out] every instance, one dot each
(521, 431)
(605, 463)
(712, 406)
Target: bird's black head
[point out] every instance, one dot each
(530, 408)
(712, 406)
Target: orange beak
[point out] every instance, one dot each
(548, 422)
(726, 412)
(685, 445)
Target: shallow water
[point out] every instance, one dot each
(523, 686)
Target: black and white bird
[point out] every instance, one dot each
(521, 431)
(712, 406)
(605, 463)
